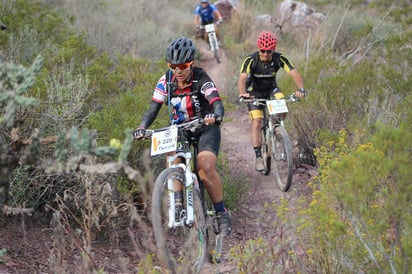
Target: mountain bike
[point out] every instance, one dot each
(276, 145)
(184, 235)
(213, 42)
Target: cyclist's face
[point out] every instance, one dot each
(182, 72)
(265, 55)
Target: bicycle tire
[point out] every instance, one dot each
(266, 155)
(214, 240)
(282, 158)
(215, 46)
(182, 249)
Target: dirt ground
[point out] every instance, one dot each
(28, 240)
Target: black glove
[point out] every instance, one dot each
(139, 133)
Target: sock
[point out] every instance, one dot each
(220, 206)
(258, 151)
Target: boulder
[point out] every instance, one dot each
(294, 16)
(226, 8)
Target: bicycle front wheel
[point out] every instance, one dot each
(183, 247)
(214, 46)
(282, 158)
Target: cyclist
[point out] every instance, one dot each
(207, 13)
(192, 94)
(258, 79)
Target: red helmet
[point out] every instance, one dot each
(266, 40)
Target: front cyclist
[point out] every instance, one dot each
(258, 79)
(192, 94)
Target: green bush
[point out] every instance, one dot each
(360, 209)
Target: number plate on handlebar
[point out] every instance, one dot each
(210, 27)
(277, 106)
(164, 141)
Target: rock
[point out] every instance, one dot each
(294, 16)
(226, 8)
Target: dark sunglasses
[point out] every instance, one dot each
(184, 66)
(266, 51)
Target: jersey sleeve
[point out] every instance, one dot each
(160, 92)
(246, 65)
(208, 89)
(285, 63)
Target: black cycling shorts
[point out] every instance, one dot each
(208, 138)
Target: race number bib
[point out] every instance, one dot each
(164, 141)
(277, 106)
(210, 27)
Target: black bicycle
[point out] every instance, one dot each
(184, 233)
(276, 145)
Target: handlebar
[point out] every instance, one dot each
(190, 125)
(262, 101)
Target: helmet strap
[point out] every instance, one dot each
(169, 83)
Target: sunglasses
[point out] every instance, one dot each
(184, 66)
(266, 51)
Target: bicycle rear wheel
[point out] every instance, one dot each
(182, 248)
(282, 158)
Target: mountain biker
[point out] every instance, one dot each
(258, 79)
(192, 94)
(207, 13)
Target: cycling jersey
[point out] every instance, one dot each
(198, 98)
(188, 103)
(206, 14)
(262, 75)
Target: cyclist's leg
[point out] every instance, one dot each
(208, 145)
(256, 116)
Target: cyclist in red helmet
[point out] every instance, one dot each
(258, 79)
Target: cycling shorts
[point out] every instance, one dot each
(208, 138)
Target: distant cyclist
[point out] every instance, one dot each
(207, 13)
(258, 79)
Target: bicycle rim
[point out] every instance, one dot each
(282, 159)
(182, 249)
(265, 153)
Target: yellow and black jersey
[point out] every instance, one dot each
(262, 75)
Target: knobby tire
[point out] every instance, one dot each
(282, 159)
(215, 46)
(214, 240)
(182, 249)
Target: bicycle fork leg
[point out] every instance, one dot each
(171, 193)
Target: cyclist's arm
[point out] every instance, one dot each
(297, 78)
(241, 85)
(197, 20)
(218, 109)
(217, 15)
(150, 115)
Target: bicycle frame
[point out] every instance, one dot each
(213, 43)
